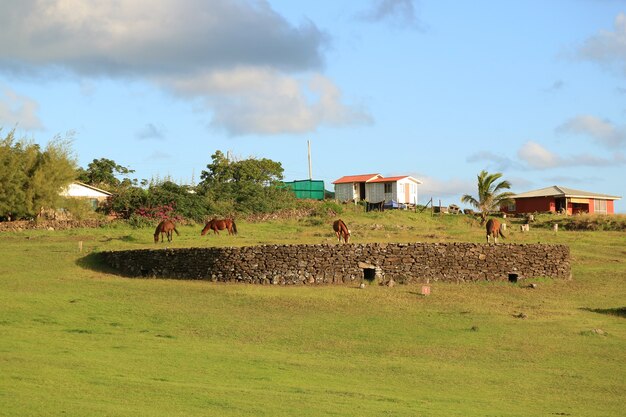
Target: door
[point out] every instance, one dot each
(362, 190)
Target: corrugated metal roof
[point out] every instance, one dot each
(558, 191)
(356, 178)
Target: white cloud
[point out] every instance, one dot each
(240, 58)
(396, 12)
(158, 156)
(150, 131)
(264, 101)
(538, 157)
(607, 48)
(18, 110)
(143, 37)
(444, 188)
(499, 162)
(602, 131)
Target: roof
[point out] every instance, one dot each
(356, 178)
(71, 189)
(396, 179)
(558, 191)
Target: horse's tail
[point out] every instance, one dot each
(177, 234)
(234, 227)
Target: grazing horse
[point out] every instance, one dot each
(494, 229)
(341, 230)
(221, 224)
(165, 228)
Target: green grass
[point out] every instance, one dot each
(77, 341)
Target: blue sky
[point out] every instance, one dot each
(434, 89)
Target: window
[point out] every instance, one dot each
(599, 206)
(510, 207)
(388, 188)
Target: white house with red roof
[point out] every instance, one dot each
(375, 188)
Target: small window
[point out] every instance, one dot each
(510, 207)
(388, 188)
(599, 206)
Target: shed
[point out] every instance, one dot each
(558, 199)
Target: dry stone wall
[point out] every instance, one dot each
(21, 225)
(339, 264)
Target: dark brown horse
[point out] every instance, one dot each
(165, 228)
(220, 224)
(494, 229)
(341, 230)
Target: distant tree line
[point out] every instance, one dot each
(227, 187)
(31, 179)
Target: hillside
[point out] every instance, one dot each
(80, 341)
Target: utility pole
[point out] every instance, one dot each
(310, 169)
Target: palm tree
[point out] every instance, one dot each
(490, 194)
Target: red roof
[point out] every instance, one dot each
(356, 178)
(390, 179)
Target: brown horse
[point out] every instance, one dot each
(494, 229)
(221, 224)
(341, 230)
(165, 228)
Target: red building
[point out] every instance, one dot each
(561, 200)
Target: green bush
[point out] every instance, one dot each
(78, 209)
(139, 222)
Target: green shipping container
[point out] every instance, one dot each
(307, 189)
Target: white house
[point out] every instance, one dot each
(402, 190)
(94, 195)
(375, 188)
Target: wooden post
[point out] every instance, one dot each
(80, 245)
(556, 227)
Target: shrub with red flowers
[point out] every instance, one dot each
(160, 212)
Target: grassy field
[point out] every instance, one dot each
(77, 341)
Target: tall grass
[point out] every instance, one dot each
(77, 341)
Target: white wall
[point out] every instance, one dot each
(77, 190)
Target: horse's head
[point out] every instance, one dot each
(207, 227)
(156, 238)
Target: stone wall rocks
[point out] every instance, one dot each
(341, 264)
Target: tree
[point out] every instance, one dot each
(249, 185)
(12, 177)
(103, 173)
(490, 194)
(31, 179)
(54, 168)
(183, 201)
